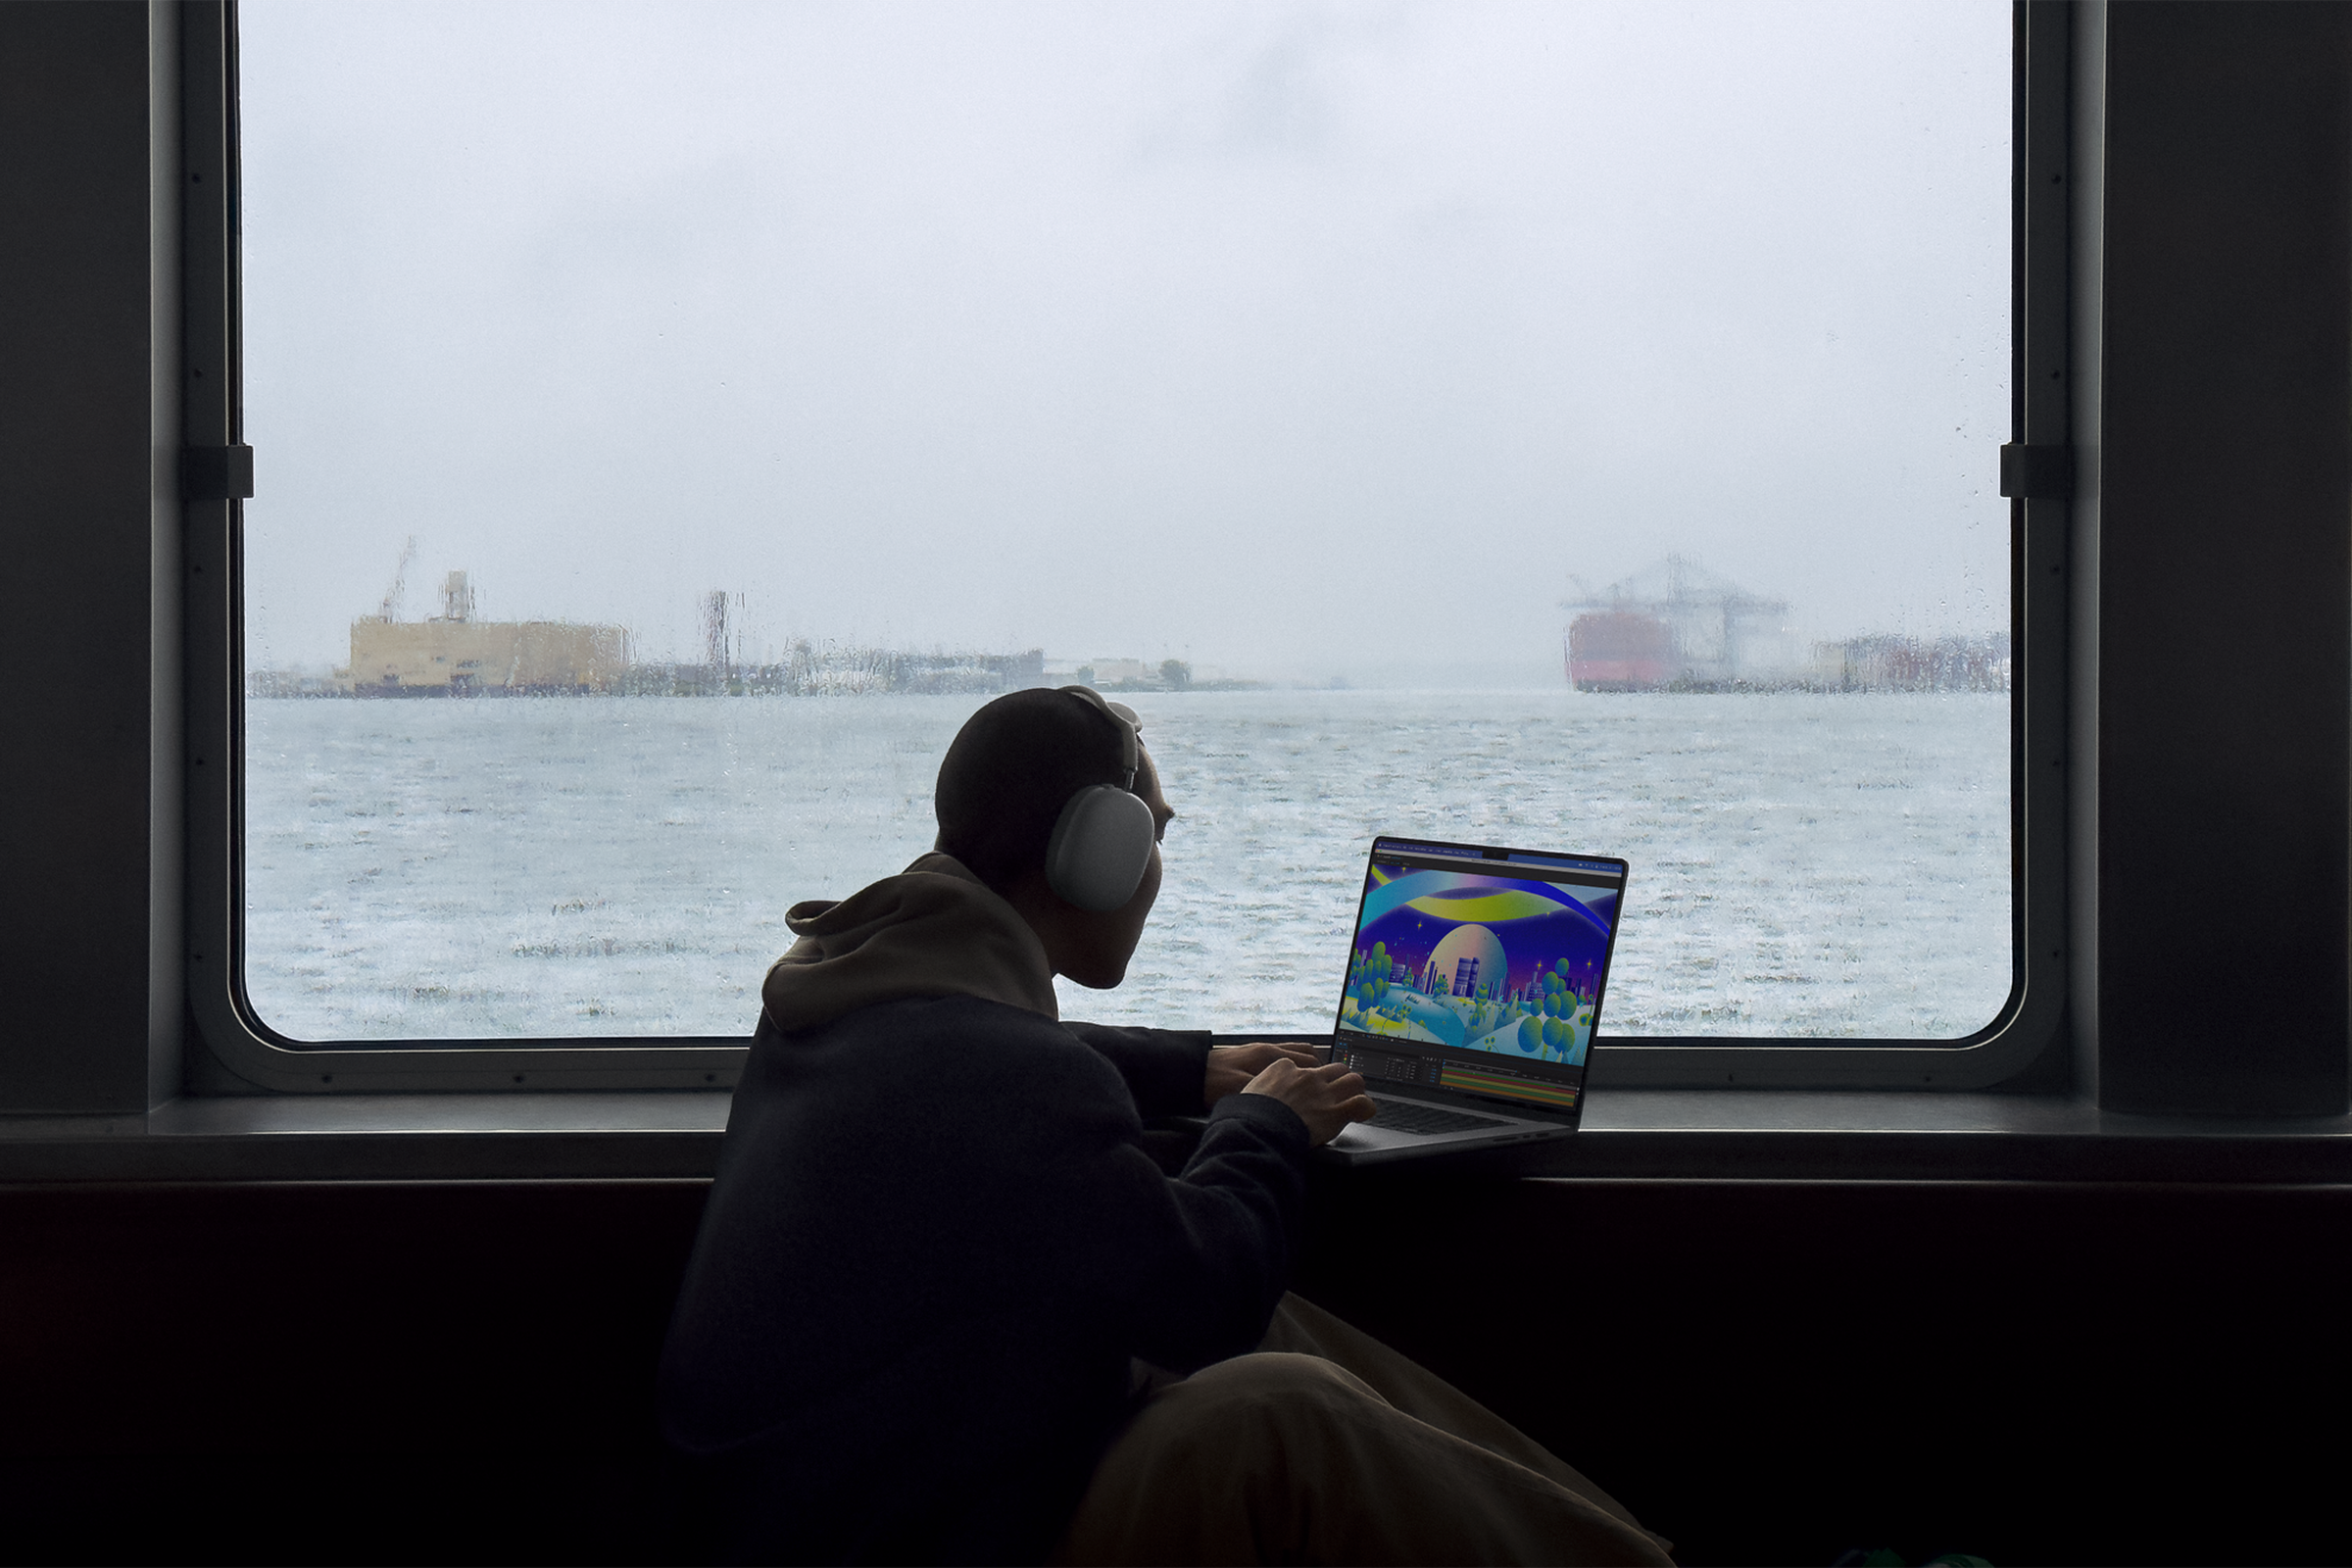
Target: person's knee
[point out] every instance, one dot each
(1281, 1379)
(1214, 1467)
(1253, 1410)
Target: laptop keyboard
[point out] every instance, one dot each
(1406, 1116)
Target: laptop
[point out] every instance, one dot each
(1473, 991)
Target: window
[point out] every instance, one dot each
(1569, 426)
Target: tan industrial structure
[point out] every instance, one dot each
(453, 654)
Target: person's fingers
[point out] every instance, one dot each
(1286, 1051)
(1328, 1096)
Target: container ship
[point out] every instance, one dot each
(1677, 627)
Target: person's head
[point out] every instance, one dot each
(1008, 782)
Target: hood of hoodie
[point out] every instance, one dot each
(934, 930)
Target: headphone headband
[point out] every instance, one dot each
(1130, 727)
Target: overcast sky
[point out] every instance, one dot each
(1304, 340)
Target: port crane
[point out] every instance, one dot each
(400, 581)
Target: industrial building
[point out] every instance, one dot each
(454, 654)
(1899, 664)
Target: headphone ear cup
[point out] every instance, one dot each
(1101, 844)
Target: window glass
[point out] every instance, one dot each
(1569, 426)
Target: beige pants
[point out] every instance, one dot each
(1327, 1446)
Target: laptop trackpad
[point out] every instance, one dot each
(1413, 1121)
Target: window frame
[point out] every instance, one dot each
(236, 1051)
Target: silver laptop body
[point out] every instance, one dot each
(1472, 994)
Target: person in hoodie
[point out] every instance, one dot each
(943, 1303)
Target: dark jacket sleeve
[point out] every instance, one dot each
(1166, 1069)
(1185, 1270)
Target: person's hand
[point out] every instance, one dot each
(1327, 1098)
(1230, 1067)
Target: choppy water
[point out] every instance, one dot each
(1828, 866)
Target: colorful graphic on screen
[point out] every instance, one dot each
(1504, 964)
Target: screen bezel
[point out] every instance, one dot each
(1396, 846)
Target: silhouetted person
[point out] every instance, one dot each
(943, 1303)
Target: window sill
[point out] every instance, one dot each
(1629, 1134)
(454, 1137)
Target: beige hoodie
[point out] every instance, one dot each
(934, 930)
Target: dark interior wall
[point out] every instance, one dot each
(1777, 1372)
(1765, 1372)
(78, 599)
(2224, 624)
(335, 1372)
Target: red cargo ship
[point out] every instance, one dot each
(1619, 651)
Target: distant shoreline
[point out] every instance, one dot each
(258, 690)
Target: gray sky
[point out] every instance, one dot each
(1299, 339)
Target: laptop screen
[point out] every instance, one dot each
(1479, 971)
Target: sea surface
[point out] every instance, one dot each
(1803, 865)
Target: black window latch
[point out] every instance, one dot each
(2038, 473)
(216, 473)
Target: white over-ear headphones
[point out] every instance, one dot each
(1103, 840)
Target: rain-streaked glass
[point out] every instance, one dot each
(785, 381)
